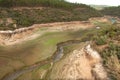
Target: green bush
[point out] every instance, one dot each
(101, 40)
(111, 58)
(106, 35)
(23, 21)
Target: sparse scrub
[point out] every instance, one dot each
(52, 11)
(112, 11)
(106, 35)
(111, 53)
(111, 59)
(40, 3)
(101, 40)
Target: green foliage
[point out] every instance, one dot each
(113, 11)
(110, 35)
(36, 3)
(101, 40)
(111, 59)
(107, 34)
(26, 17)
(112, 50)
(23, 21)
(53, 11)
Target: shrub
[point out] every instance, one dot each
(101, 40)
(53, 11)
(111, 58)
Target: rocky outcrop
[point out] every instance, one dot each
(9, 36)
(82, 64)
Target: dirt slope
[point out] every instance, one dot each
(82, 63)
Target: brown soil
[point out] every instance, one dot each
(28, 33)
(78, 65)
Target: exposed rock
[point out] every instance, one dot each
(81, 64)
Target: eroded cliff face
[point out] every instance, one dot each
(82, 64)
(23, 34)
(8, 37)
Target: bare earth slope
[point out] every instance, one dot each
(83, 63)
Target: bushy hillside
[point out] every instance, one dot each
(33, 3)
(112, 11)
(108, 44)
(51, 11)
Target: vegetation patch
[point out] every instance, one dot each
(112, 11)
(110, 36)
(51, 11)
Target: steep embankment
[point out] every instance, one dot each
(23, 34)
(10, 37)
(81, 63)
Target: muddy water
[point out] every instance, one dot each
(56, 57)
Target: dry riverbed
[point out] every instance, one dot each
(32, 42)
